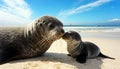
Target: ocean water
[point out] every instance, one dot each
(96, 31)
(93, 28)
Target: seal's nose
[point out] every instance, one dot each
(66, 34)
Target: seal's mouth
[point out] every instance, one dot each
(57, 34)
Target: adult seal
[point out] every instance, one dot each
(81, 50)
(29, 41)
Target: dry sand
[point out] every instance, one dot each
(56, 58)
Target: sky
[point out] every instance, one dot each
(75, 12)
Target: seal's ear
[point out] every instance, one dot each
(41, 23)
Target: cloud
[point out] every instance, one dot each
(114, 20)
(83, 8)
(14, 12)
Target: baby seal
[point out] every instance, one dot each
(79, 49)
(29, 41)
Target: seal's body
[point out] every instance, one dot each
(79, 49)
(29, 41)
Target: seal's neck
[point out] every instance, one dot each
(73, 43)
(34, 33)
(31, 33)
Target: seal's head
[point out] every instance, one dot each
(72, 37)
(41, 34)
(47, 27)
(53, 27)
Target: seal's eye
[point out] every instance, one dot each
(52, 26)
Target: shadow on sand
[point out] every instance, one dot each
(63, 58)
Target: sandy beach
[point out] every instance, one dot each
(56, 57)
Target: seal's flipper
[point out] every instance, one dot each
(105, 56)
(7, 54)
(68, 55)
(82, 57)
